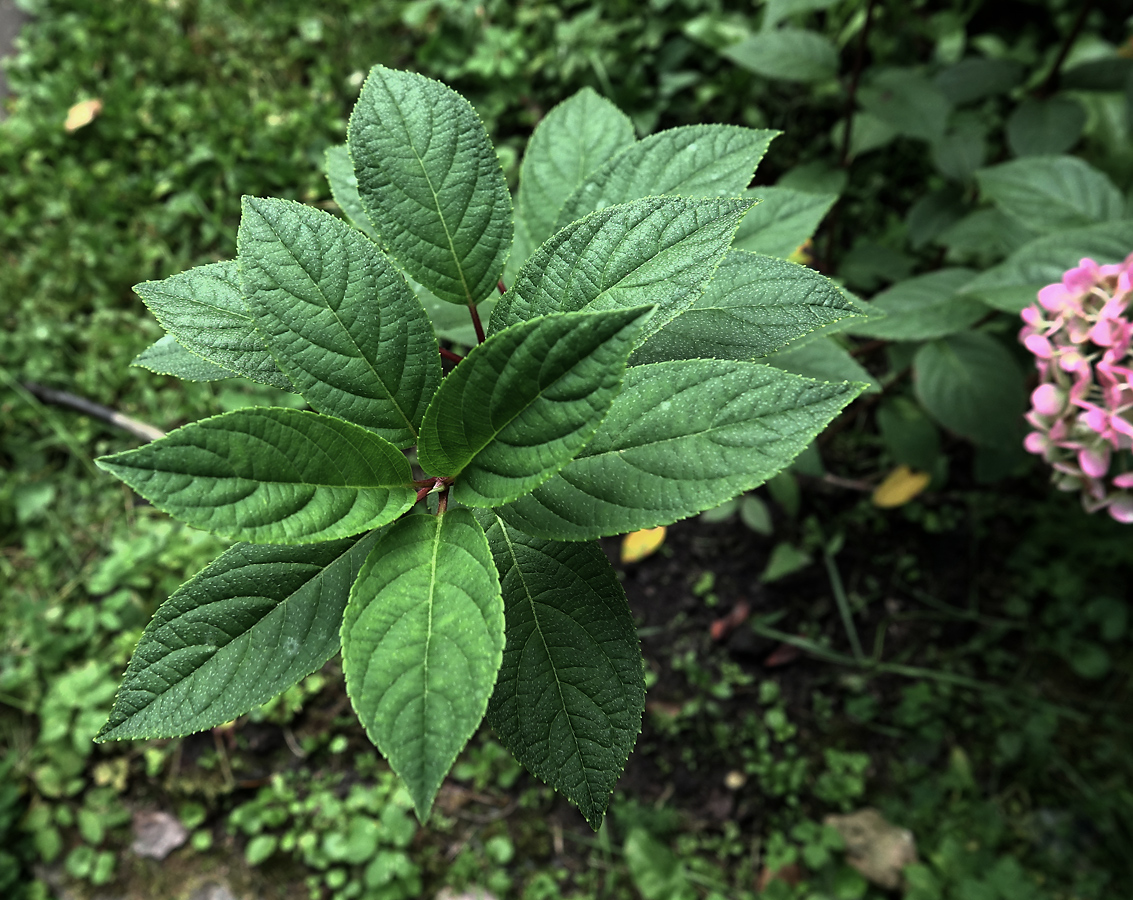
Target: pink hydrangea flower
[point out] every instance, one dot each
(1080, 332)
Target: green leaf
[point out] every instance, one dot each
(570, 693)
(344, 188)
(753, 306)
(204, 311)
(826, 360)
(338, 317)
(984, 236)
(786, 54)
(924, 308)
(682, 437)
(575, 138)
(1045, 127)
(524, 402)
(694, 161)
(867, 133)
(167, 357)
(961, 152)
(977, 77)
(656, 871)
(431, 183)
(451, 322)
(660, 251)
(782, 221)
(909, 102)
(1012, 284)
(422, 641)
(1052, 193)
(1111, 73)
(249, 626)
(271, 476)
(971, 385)
(777, 10)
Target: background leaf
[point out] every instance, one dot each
(786, 54)
(655, 251)
(1045, 127)
(782, 220)
(249, 626)
(338, 317)
(204, 311)
(538, 389)
(977, 77)
(909, 102)
(573, 139)
(344, 188)
(682, 437)
(570, 693)
(431, 184)
(825, 359)
(923, 308)
(753, 306)
(694, 161)
(422, 641)
(971, 385)
(271, 476)
(167, 357)
(1052, 193)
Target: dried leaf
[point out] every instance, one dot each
(639, 544)
(899, 487)
(81, 114)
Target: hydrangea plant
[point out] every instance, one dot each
(1082, 411)
(439, 527)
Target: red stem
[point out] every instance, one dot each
(442, 502)
(449, 355)
(501, 287)
(476, 322)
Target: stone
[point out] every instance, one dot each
(875, 847)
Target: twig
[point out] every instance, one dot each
(476, 322)
(1049, 83)
(94, 410)
(449, 355)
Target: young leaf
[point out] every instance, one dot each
(271, 476)
(923, 308)
(1012, 284)
(682, 437)
(786, 54)
(753, 306)
(970, 384)
(422, 640)
(782, 220)
(249, 626)
(523, 403)
(693, 161)
(344, 188)
(570, 693)
(431, 183)
(660, 250)
(204, 311)
(338, 317)
(575, 138)
(167, 357)
(1052, 193)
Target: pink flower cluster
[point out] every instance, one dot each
(1082, 411)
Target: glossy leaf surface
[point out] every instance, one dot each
(166, 357)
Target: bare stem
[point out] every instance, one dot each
(1051, 80)
(449, 355)
(95, 410)
(501, 287)
(476, 322)
(442, 502)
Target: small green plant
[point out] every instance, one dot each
(491, 595)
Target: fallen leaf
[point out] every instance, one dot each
(721, 628)
(899, 487)
(792, 874)
(782, 655)
(878, 849)
(639, 544)
(157, 834)
(81, 114)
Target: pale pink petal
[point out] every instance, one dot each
(1039, 346)
(1048, 400)
(1095, 462)
(1054, 296)
(1124, 480)
(1122, 509)
(1036, 442)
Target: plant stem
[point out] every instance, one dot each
(476, 322)
(851, 94)
(1051, 81)
(442, 502)
(449, 355)
(501, 287)
(843, 606)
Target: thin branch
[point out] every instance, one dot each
(450, 356)
(851, 94)
(1051, 81)
(94, 410)
(476, 322)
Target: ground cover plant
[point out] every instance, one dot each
(1002, 744)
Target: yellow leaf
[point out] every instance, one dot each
(640, 544)
(82, 114)
(899, 487)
